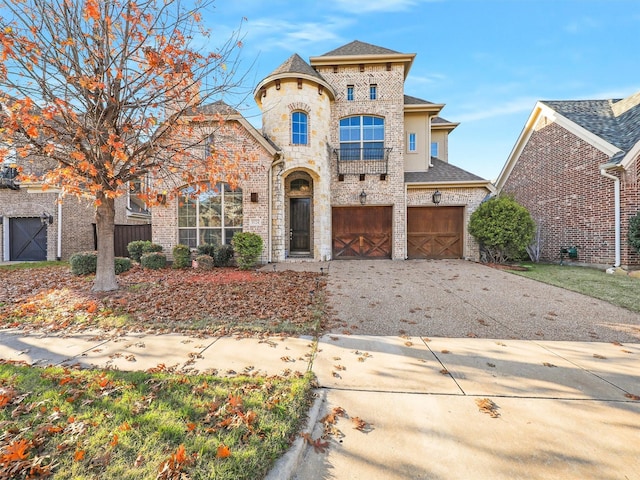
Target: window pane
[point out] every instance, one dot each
(211, 235)
(349, 92)
(233, 209)
(186, 211)
(434, 149)
(210, 209)
(299, 128)
(187, 237)
(373, 92)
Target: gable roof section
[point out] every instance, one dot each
(611, 126)
(444, 174)
(295, 64)
(358, 52)
(230, 114)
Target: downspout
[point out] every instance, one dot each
(616, 190)
(59, 242)
(277, 162)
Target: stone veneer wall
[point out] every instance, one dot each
(390, 105)
(255, 168)
(313, 158)
(470, 198)
(557, 178)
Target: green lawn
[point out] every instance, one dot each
(620, 290)
(85, 424)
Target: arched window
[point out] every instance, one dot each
(362, 138)
(300, 185)
(299, 128)
(213, 216)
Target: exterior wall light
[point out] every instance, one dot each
(46, 218)
(363, 197)
(437, 196)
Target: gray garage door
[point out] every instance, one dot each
(27, 239)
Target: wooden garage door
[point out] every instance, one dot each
(361, 232)
(435, 232)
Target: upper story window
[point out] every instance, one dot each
(411, 143)
(213, 216)
(299, 128)
(208, 146)
(373, 92)
(434, 149)
(350, 93)
(362, 138)
(137, 188)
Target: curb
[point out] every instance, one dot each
(285, 467)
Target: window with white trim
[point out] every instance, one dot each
(435, 149)
(213, 216)
(362, 138)
(411, 143)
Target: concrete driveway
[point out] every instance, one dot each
(418, 348)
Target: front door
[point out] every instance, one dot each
(27, 239)
(300, 225)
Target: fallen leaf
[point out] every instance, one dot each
(487, 406)
(78, 455)
(223, 451)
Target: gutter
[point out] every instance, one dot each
(616, 191)
(59, 242)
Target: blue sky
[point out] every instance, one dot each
(489, 61)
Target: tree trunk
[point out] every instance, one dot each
(105, 224)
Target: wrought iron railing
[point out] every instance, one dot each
(354, 161)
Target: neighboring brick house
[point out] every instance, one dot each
(37, 223)
(347, 167)
(576, 168)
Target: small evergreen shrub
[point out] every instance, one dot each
(248, 247)
(138, 247)
(503, 227)
(122, 265)
(153, 260)
(84, 263)
(181, 256)
(207, 249)
(634, 232)
(205, 262)
(224, 256)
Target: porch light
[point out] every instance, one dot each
(437, 196)
(46, 218)
(363, 197)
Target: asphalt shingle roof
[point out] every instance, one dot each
(409, 100)
(295, 64)
(599, 117)
(441, 172)
(357, 48)
(217, 107)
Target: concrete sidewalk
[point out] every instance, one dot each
(566, 409)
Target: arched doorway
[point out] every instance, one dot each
(299, 194)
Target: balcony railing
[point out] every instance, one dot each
(354, 161)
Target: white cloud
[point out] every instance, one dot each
(378, 5)
(488, 111)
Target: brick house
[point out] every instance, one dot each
(37, 223)
(346, 166)
(576, 168)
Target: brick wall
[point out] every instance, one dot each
(557, 178)
(390, 105)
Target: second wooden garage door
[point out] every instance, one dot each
(435, 232)
(361, 232)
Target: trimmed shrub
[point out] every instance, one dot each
(181, 256)
(503, 227)
(248, 247)
(207, 249)
(224, 256)
(205, 262)
(84, 263)
(634, 232)
(138, 247)
(153, 260)
(122, 265)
